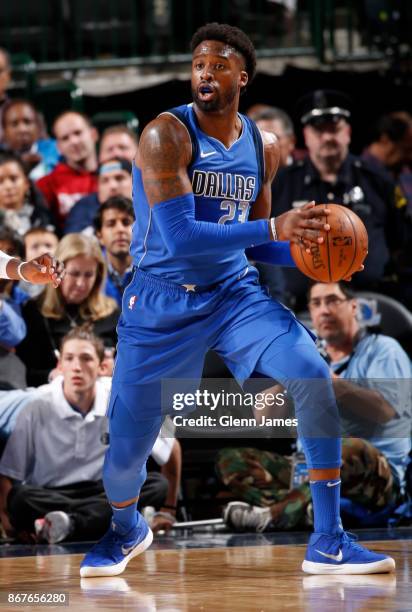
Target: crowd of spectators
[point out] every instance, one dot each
(69, 193)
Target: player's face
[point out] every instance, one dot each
(328, 143)
(114, 183)
(116, 232)
(80, 365)
(79, 280)
(38, 243)
(117, 145)
(218, 75)
(13, 186)
(76, 140)
(21, 128)
(286, 141)
(333, 314)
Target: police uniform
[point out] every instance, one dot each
(360, 186)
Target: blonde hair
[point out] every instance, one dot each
(96, 305)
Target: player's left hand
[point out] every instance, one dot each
(303, 224)
(42, 270)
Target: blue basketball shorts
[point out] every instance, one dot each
(165, 331)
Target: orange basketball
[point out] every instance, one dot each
(342, 252)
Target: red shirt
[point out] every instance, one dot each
(63, 187)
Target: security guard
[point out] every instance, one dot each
(331, 174)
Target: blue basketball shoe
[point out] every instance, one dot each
(113, 552)
(339, 554)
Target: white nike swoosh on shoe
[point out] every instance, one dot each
(333, 484)
(337, 557)
(127, 551)
(207, 154)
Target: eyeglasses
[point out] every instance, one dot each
(330, 301)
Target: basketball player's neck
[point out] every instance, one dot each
(224, 125)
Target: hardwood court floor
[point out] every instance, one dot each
(238, 578)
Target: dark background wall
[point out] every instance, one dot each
(373, 93)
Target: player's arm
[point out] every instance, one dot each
(42, 270)
(164, 155)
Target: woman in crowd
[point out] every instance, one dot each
(21, 204)
(79, 299)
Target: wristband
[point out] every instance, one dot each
(20, 273)
(4, 260)
(273, 228)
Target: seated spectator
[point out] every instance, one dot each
(12, 325)
(21, 204)
(371, 377)
(391, 151)
(37, 241)
(277, 122)
(113, 225)
(5, 78)
(118, 141)
(22, 134)
(114, 179)
(79, 299)
(51, 469)
(75, 176)
(331, 173)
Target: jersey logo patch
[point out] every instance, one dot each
(132, 302)
(203, 155)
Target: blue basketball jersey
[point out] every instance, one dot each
(225, 183)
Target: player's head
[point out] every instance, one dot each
(223, 63)
(80, 357)
(333, 309)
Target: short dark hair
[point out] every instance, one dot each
(15, 102)
(343, 286)
(394, 125)
(9, 235)
(119, 128)
(7, 157)
(119, 203)
(232, 36)
(71, 112)
(85, 332)
(40, 229)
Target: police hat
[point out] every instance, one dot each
(323, 105)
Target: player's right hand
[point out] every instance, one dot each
(43, 269)
(303, 225)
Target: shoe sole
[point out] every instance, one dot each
(90, 571)
(378, 567)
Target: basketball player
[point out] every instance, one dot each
(202, 195)
(42, 270)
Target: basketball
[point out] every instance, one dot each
(342, 252)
